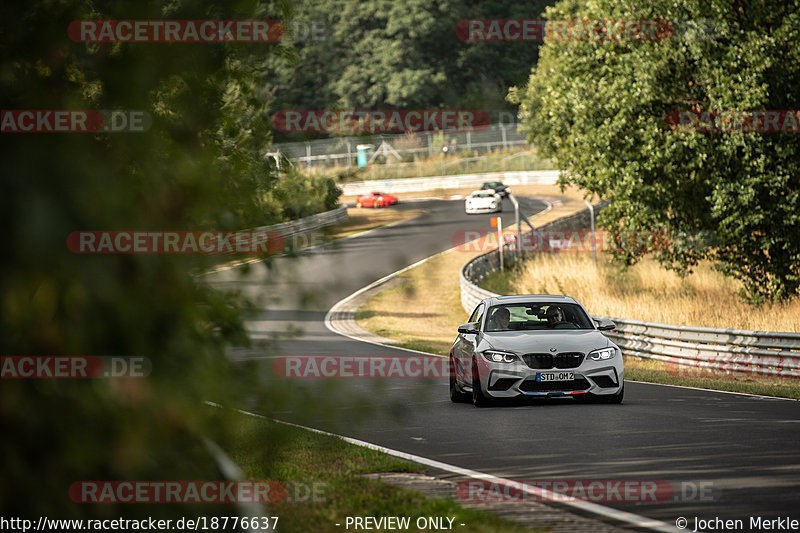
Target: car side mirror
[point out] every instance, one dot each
(469, 327)
(605, 324)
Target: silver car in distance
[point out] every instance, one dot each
(534, 345)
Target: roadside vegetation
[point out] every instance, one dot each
(325, 482)
(645, 291)
(729, 195)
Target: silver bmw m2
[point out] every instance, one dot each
(534, 345)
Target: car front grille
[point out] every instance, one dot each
(531, 385)
(543, 361)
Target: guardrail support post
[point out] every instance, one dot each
(591, 217)
(519, 224)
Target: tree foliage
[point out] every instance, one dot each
(600, 109)
(200, 166)
(380, 54)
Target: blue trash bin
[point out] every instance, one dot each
(363, 151)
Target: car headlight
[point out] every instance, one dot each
(602, 354)
(497, 356)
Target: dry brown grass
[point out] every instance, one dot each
(648, 292)
(424, 309)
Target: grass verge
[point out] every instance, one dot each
(637, 369)
(335, 469)
(646, 291)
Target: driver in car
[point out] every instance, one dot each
(554, 316)
(500, 319)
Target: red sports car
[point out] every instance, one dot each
(376, 199)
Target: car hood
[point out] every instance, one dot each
(542, 341)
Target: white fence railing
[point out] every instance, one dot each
(714, 350)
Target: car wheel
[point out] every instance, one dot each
(358, 204)
(478, 398)
(456, 394)
(615, 398)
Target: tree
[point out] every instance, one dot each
(379, 54)
(601, 109)
(199, 166)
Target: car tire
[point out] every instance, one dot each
(358, 204)
(478, 398)
(615, 398)
(456, 394)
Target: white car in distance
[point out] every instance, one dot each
(483, 201)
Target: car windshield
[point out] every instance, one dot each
(537, 317)
(492, 185)
(483, 195)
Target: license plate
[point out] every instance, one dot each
(555, 376)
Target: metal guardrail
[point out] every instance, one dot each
(725, 350)
(303, 226)
(710, 349)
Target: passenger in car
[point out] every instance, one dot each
(500, 319)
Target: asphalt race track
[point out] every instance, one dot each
(726, 455)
